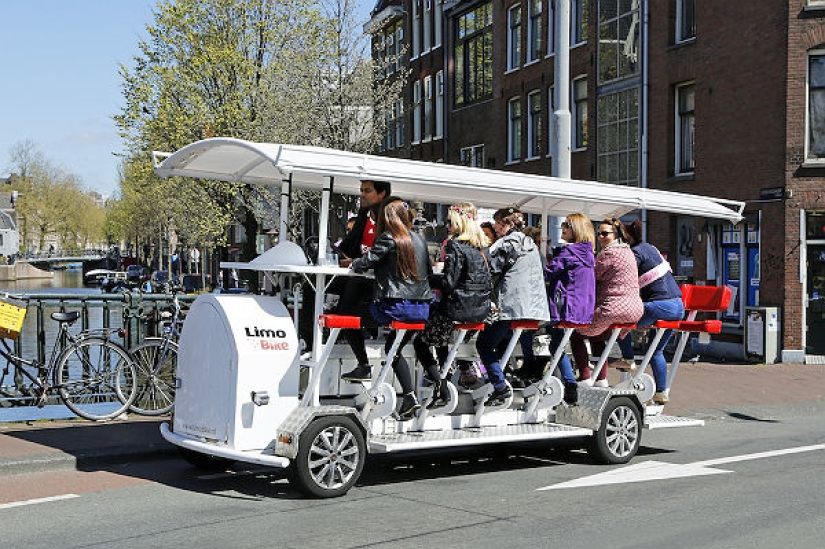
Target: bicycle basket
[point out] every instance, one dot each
(12, 314)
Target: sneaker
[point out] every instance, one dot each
(660, 398)
(498, 396)
(627, 365)
(601, 383)
(409, 405)
(571, 393)
(361, 373)
(586, 382)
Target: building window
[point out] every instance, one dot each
(399, 124)
(439, 22)
(439, 103)
(685, 20)
(618, 39)
(473, 156)
(389, 56)
(816, 106)
(399, 49)
(685, 118)
(579, 115)
(416, 28)
(578, 21)
(534, 34)
(428, 107)
(551, 112)
(535, 137)
(617, 130)
(474, 55)
(551, 27)
(428, 24)
(514, 37)
(514, 129)
(417, 108)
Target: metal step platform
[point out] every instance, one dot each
(448, 438)
(664, 422)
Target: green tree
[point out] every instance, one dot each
(52, 202)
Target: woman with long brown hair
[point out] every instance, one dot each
(402, 267)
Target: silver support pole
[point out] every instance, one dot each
(286, 192)
(561, 150)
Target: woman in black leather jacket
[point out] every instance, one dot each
(402, 267)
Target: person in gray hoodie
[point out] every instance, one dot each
(520, 295)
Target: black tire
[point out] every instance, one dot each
(331, 456)
(205, 461)
(620, 433)
(156, 371)
(96, 379)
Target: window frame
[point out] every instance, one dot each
(514, 131)
(472, 152)
(473, 83)
(535, 126)
(579, 116)
(682, 7)
(579, 21)
(514, 59)
(417, 112)
(809, 157)
(680, 117)
(439, 103)
(534, 30)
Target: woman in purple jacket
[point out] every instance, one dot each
(571, 287)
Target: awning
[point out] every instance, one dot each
(227, 159)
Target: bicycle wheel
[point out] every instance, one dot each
(96, 379)
(157, 363)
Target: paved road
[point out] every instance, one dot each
(754, 479)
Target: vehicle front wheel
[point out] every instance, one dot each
(620, 433)
(331, 456)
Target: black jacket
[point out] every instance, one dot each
(389, 285)
(350, 246)
(466, 283)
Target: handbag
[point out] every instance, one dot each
(492, 315)
(560, 301)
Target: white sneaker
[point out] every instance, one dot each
(601, 383)
(586, 382)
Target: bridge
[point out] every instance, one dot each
(62, 256)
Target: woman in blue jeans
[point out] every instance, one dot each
(514, 259)
(662, 300)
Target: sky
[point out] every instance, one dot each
(59, 81)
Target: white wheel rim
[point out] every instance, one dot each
(621, 431)
(333, 457)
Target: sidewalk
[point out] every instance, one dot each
(48, 445)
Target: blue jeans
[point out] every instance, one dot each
(663, 309)
(486, 344)
(565, 367)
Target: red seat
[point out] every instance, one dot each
(524, 324)
(709, 326)
(339, 321)
(412, 326)
(565, 324)
(470, 326)
(705, 298)
(625, 326)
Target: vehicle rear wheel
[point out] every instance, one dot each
(620, 433)
(205, 461)
(156, 361)
(330, 458)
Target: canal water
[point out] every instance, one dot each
(69, 281)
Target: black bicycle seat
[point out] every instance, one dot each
(66, 317)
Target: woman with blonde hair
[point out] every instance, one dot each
(571, 289)
(463, 292)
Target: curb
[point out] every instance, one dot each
(84, 460)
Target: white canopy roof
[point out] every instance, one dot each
(227, 159)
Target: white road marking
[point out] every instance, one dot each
(36, 501)
(657, 470)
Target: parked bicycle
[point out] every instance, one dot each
(91, 374)
(157, 360)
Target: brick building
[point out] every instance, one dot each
(725, 99)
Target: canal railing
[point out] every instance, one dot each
(138, 313)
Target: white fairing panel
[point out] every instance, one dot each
(234, 346)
